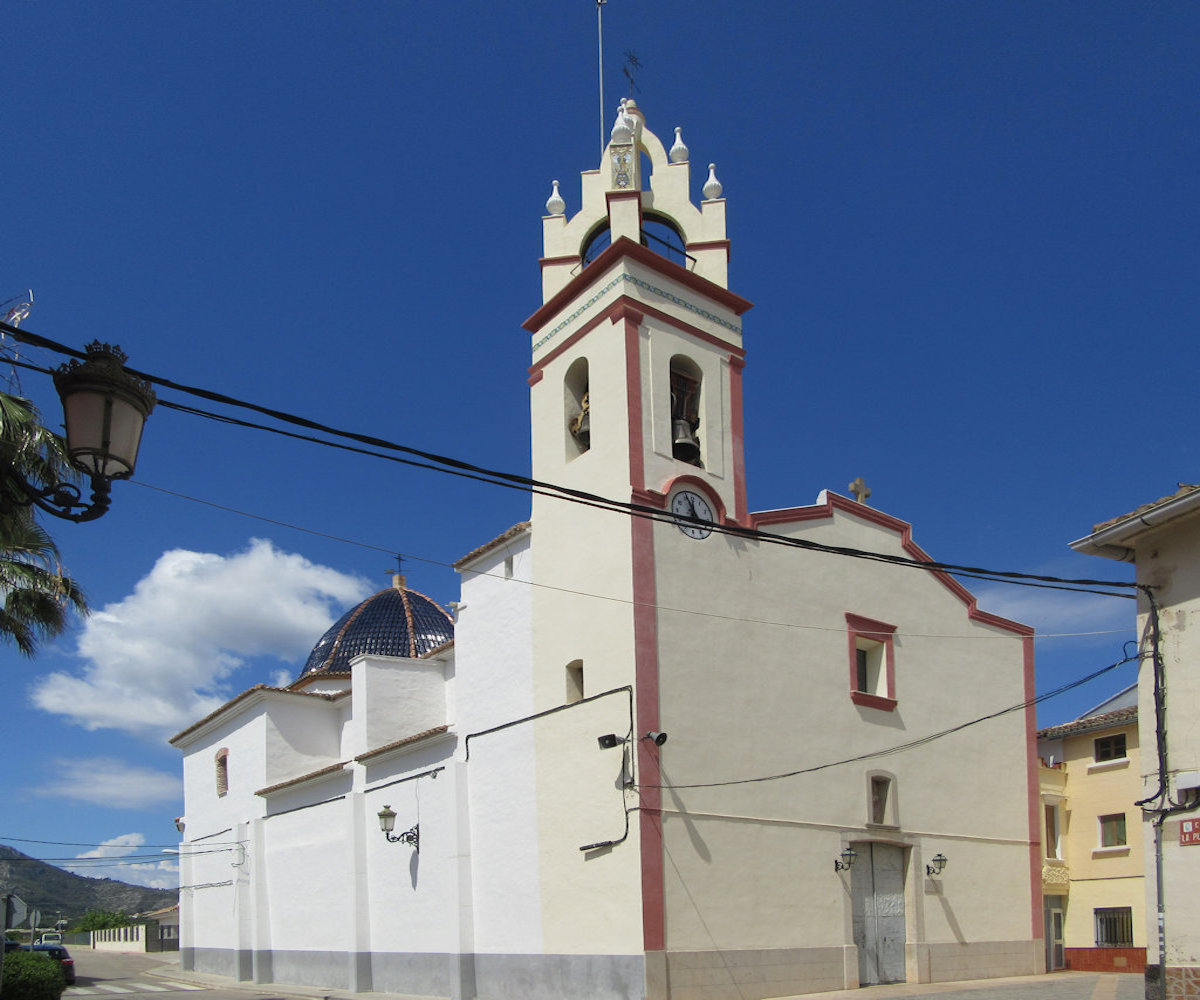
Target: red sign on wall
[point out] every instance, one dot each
(1189, 831)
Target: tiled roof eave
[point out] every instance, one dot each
(1109, 720)
(376, 753)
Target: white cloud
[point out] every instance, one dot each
(156, 874)
(106, 781)
(1054, 612)
(160, 658)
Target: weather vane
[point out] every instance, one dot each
(630, 68)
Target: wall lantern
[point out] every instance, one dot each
(936, 864)
(847, 859)
(179, 824)
(105, 409)
(387, 823)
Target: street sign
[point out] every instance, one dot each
(1189, 831)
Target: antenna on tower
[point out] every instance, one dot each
(629, 69)
(20, 309)
(600, 61)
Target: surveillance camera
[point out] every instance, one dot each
(658, 738)
(608, 741)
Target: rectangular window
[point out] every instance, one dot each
(1112, 830)
(880, 787)
(1051, 831)
(574, 682)
(1114, 927)
(872, 662)
(1110, 747)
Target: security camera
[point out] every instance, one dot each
(609, 740)
(658, 738)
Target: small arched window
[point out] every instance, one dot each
(576, 408)
(575, 690)
(686, 432)
(222, 772)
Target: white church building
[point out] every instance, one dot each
(644, 760)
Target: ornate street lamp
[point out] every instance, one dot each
(105, 409)
(387, 823)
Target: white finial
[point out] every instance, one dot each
(679, 152)
(712, 186)
(622, 130)
(555, 204)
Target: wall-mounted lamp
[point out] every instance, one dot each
(105, 409)
(610, 740)
(387, 823)
(179, 824)
(936, 864)
(657, 738)
(847, 859)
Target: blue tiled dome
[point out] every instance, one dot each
(395, 622)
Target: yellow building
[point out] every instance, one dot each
(1093, 882)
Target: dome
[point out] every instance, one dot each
(395, 622)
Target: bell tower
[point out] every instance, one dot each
(635, 395)
(637, 348)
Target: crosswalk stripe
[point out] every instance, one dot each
(166, 986)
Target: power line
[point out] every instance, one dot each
(911, 744)
(599, 597)
(447, 464)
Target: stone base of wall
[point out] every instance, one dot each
(753, 975)
(948, 963)
(1105, 959)
(680, 975)
(488, 977)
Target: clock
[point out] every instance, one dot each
(687, 504)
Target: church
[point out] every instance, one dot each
(672, 751)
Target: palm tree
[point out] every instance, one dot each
(35, 591)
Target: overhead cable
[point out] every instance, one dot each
(443, 463)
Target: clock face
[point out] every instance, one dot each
(687, 504)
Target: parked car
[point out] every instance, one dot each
(59, 954)
(50, 937)
(10, 945)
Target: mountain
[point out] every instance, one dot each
(51, 889)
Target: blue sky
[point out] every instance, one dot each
(970, 231)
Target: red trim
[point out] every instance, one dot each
(633, 388)
(546, 262)
(737, 433)
(1037, 918)
(535, 376)
(708, 245)
(654, 498)
(625, 247)
(873, 701)
(875, 631)
(645, 645)
(834, 501)
(617, 311)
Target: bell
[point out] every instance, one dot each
(684, 444)
(581, 428)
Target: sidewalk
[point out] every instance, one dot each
(1055, 986)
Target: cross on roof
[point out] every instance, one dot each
(860, 490)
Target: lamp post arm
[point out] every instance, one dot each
(64, 500)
